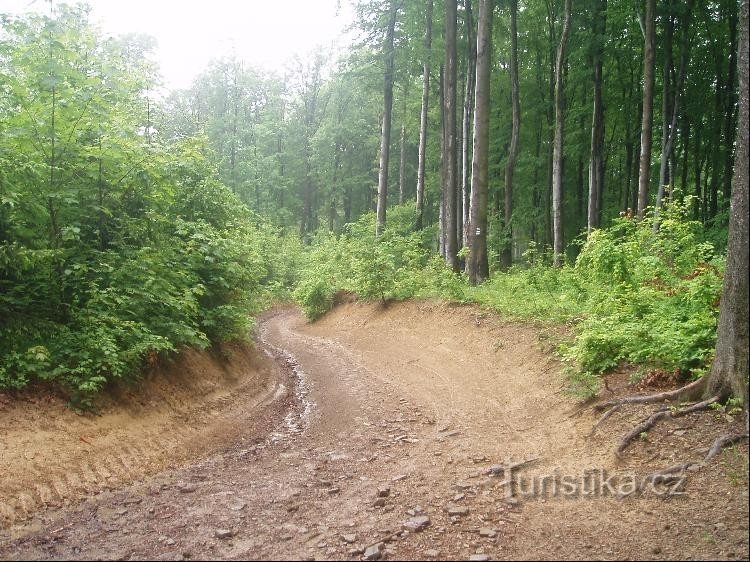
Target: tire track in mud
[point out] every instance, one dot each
(81, 466)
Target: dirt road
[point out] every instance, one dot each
(367, 420)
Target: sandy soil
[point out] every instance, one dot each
(342, 431)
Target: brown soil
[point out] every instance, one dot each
(287, 456)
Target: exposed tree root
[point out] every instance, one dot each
(669, 474)
(654, 418)
(673, 472)
(722, 442)
(690, 389)
(604, 418)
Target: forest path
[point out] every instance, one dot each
(421, 399)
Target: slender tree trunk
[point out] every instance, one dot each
(441, 216)
(535, 190)
(478, 265)
(648, 106)
(423, 117)
(715, 170)
(334, 187)
(729, 103)
(449, 157)
(557, 151)
(506, 256)
(280, 155)
(669, 91)
(729, 372)
(402, 147)
(596, 162)
(385, 138)
(459, 175)
(685, 138)
(671, 114)
(468, 114)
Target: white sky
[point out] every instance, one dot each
(190, 33)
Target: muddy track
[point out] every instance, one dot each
(372, 416)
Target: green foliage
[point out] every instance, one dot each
(633, 295)
(397, 265)
(652, 297)
(114, 246)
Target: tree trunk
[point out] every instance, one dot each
(449, 147)
(477, 265)
(729, 372)
(469, 93)
(506, 256)
(402, 147)
(671, 114)
(557, 150)
(729, 102)
(385, 138)
(423, 118)
(648, 106)
(596, 162)
(441, 216)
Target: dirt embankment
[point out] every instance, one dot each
(386, 415)
(51, 456)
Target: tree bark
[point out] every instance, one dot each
(449, 147)
(441, 216)
(423, 118)
(478, 265)
(506, 256)
(557, 150)
(671, 114)
(729, 372)
(385, 138)
(469, 93)
(596, 161)
(729, 103)
(402, 149)
(648, 106)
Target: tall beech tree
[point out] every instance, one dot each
(557, 151)
(466, 128)
(649, 38)
(596, 159)
(385, 136)
(506, 257)
(422, 151)
(450, 173)
(671, 111)
(477, 266)
(729, 372)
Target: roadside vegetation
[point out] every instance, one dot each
(115, 246)
(632, 295)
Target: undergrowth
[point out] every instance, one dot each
(633, 295)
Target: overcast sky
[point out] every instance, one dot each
(191, 32)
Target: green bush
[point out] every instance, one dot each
(652, 296)
(396, 265)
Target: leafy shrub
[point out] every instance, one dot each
(396, 265)
(652, 296)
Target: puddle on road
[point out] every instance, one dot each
(298, 418)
